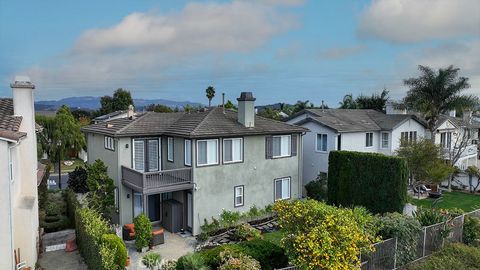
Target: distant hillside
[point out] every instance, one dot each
(93, 103)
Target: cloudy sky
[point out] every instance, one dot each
(282, 50)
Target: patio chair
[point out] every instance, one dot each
(158, 237)
(424, 188)
(128, 232)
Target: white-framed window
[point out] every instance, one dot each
(153, 155)
(207, 152)
(238, 196)
(408, 136)
(170, 150)
(109, 143)
(385, 139)
(445, 139)
(321, 143)
(139, 155)
(369, 139)
(188, 152)
(232, 150)
(413, 136)
(282, 188)
(281, 146)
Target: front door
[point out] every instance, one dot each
(189, 210)
(154, 207)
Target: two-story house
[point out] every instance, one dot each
(190, 166)
(18, 177)
(352, 130)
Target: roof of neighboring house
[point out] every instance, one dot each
(457, 121)
(197, 124)
(40, 172)
(355, 120)
(109, 115)
(9, 124)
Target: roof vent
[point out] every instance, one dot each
(108, 125)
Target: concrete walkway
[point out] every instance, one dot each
(62, 260)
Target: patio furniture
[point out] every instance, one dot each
(128, 232)
(424, 188)
(158, 237)
(434, 195)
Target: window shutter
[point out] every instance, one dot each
(268, 147)
(294, 145)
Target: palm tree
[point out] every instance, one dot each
(348, 102)
(434, 93)
(210, 94)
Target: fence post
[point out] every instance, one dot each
(461, 228)
(395, 257)
(424, 240)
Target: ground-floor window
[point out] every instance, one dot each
(238, 196)
(282, 188)
(137, 204)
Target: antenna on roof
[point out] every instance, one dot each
(223, 103)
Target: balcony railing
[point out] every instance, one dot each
(161, 181)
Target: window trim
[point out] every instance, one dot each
(316, 143)
(366, 135)
(235, 196)
(185, 152)
(106, 140)
(290, 143)
(133, 154)
(170, 150)
(197, 152)
(381, 140)
(145, 153)
(289, 188)
(242, 152)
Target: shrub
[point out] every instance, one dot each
(143, 231)
(406, 229)
(430, 216)
(317, 189)
(107, 257)
(453, 256)
(77, 180)
(72, 205)
(471, 231)
(191, 262)
(269, 255)
(89, 228)
(246, 231)
(375, 181)
(55, 223)
(101, 187)
(229, 218)
(169, 265)
(237, 261)
(151, 260)
(320, 236)
(113, 242)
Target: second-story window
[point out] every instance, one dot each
(188, 152)
(207, 152)
(109, 143)
(445, 139)
(232, 150)
(139, 155)
(368, 139)
(281, 146)
(146, 155)
(170, 153)
(384, 139)
(321, 143)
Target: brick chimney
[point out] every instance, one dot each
(246, 109)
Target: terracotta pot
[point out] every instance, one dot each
(127, 264)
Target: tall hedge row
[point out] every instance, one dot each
(100, 249)
(375, 181)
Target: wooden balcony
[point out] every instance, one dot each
(157, 182)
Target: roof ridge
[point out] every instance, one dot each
(133, 121)
(203, 120)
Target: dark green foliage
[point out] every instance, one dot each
(453, 256)
(113, 242)
(158, 108)
(72, 205)
(119, 101)
(375, 181)
(317, 189)
(471, 231)
(406, 229)
(53, 216)
(143, 231)
(77, 180)
(89, 229)
(268, 254)
(191, 262)
(151, 260)
(101, 195)
(43, 189)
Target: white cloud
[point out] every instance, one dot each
(417, 20)
(146, 46)
(341, 52)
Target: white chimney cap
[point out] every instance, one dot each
(22, 81)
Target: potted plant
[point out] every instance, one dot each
(143, 232)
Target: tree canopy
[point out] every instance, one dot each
(119, 101)
(437, 92)
(210, 93)
(375, 101)
(101, 196)
(158, 108)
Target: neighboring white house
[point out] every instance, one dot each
(352, 130)
(18, 176)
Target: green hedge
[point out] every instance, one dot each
(268, 254)
(72, 205)
(96, 248)
(375, 181)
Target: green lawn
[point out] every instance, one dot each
(466, 202)
(65, 168)
(273, 237)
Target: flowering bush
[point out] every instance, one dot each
(320, 236)
(246, 231)
(237, 261)
(151, 260)
(229, 218)
(169, 265)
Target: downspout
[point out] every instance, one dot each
(15, 144)
(300, 166)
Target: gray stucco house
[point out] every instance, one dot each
(202, 162)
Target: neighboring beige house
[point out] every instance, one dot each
(182, 168)
(18, 176)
